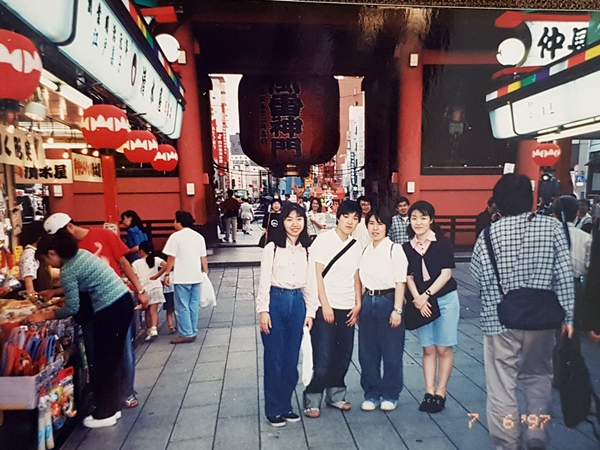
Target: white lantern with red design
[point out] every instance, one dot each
(166, 158)
(20, 66)
(142, 147)
(105, 126)
(546, 154)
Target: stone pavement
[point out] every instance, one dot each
(208, 394)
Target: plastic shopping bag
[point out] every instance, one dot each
(207, 293)
(307, 357)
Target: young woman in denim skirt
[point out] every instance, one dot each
(430, 263)
(383, 268)
(286, 302)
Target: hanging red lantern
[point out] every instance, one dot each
(20, 66)
(142, 147)
(166, 158)
(105, 126)
(289, 123)
(546, 154)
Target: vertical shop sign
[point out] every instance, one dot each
(86, 168)
(20, 148)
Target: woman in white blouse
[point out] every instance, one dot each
(316, 219)
(382, 271)
(286, 301)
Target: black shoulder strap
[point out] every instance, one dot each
(392, 248)
(488, 244)
(338, 256)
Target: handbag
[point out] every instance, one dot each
(307, 357)
(263, 239)
(525, 308)
(413, 318)
(572, 379)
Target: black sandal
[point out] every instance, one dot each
(427, 403)
(438, 404)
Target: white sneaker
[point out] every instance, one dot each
(368, 405)
(388, 405)
(90, 422)
(153, 332)
(148, 336)
(117, 415)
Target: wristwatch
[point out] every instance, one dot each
(428, 292)
(398, 310)
(142, 291)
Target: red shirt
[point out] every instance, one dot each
(106, 245)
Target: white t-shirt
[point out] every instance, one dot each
(310, 226)
(187, 246)
(379, 270)
(144, 273)
(361, 234)
(339, 281)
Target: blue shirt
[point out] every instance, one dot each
(135, 237)
(86, 272)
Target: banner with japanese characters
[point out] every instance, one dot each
(55, 171)
(86, 168)
(21, 148)
(289, 123)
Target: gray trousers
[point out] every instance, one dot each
(518, 359)
(231, 227)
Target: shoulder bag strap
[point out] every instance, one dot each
(338, 256)
(488, 244)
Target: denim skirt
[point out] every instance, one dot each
(443, 331)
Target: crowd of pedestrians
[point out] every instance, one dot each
(388, 274)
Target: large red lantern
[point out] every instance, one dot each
(166, 158)
(20, 66)
(289, 123)
(105, 126)
(142, 147)
(546, 154)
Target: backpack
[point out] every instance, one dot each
(572, 378)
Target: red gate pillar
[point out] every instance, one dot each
(192, 173)
(526, 166)
(410, 116)
(109, 182)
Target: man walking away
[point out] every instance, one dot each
(186, 250)
(230, 208)
(531, 251)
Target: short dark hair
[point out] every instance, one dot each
(184, 218)
(363, 198)
(426, 209)
(349, 207)
(381, 216)
(585, 202)
(310, 203)
(513, 194)
(278, 235)
(491, 201)
(62, 242)
(402, 200)
(229, 192)
(565, 208)
(32, 233)
(277, 200)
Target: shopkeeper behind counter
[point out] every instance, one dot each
(34, 274)
(111, 300)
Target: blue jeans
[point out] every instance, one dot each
(282, 348)
(187, 302)
(332, 345)
(130, 362)
(377, 341)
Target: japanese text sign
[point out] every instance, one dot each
(20, 148)
(86, 168)
(56, 171)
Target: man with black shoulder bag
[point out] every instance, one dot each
(523, 267)
(335, 256)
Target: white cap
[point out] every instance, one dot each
(55, 222)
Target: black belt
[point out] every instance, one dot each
(381, 291)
